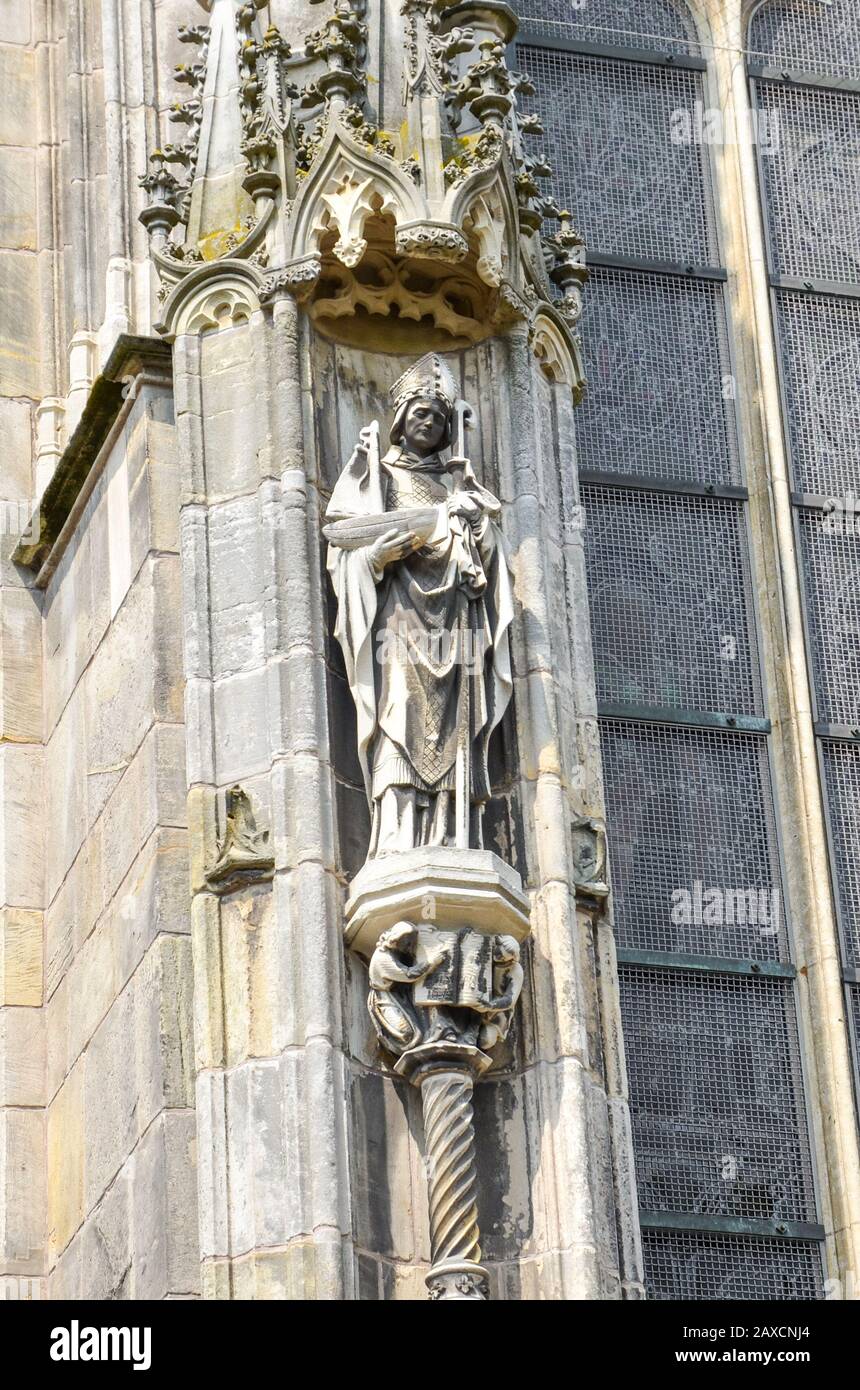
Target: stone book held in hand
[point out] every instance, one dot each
(430, 524)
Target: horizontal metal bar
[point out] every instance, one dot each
(695, 719)
(714, 965)
(730, 1225)
(799, 77)
(834, 289)
(534, 39)
(814, 501)
(600, 477)
(845, 733)
(684, 269)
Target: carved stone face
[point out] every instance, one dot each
(424, 426)
(401, 937)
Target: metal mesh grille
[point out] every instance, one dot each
(814, 35)
(668, 585)
(842, 781)
(855, 1018)
(831, 571)
(694, 1265)
(634, 190)
(820, 345)
(716, 1095)
(811, 173)
(658, 24)
(660, 389)
(694, 838)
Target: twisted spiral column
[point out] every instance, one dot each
(455, 1240)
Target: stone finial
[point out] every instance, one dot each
(568, 270)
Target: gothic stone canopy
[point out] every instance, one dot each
(431, 235)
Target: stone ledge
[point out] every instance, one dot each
(130, 357)
(450, 887)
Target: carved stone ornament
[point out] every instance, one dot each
(434, 986)
(431, 234)
(438, 999)
(589, 858)
(244, 853)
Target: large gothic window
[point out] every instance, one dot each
(805, 74)
(703, 927)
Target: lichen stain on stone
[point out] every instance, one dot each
(215, 244)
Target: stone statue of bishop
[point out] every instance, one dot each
(420, 571)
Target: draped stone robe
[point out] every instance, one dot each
(412, 636)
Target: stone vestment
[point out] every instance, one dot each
(401, 632)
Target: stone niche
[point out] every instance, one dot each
(516, 452)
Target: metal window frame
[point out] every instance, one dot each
(659, 61)
(800, 501)
(752, 614)
(802, 77)
(805, 285)
(853, 1033)
(637, 715)
(710, 965)
(824, 289)
(682, 718)
(610, 260)
(847, 971)
(806, 616)
(650, 57)
(732, 1226)
(788, 975)
(647, 482)
(756, 108)
(732, 416)
(705, 720)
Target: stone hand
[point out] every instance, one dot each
(466, 505)
(390, 546)
(365, 439)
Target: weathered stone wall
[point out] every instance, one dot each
(268, 959)
(121, 1207)
(23, 344)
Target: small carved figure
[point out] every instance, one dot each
(393, 970)
(507, 985)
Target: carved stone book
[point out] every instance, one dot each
(464, 977)
(430, 524)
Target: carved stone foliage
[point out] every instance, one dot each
(452, 308)
(342, 212)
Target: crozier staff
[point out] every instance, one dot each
(418, 697)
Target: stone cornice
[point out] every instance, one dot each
(109, 399)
